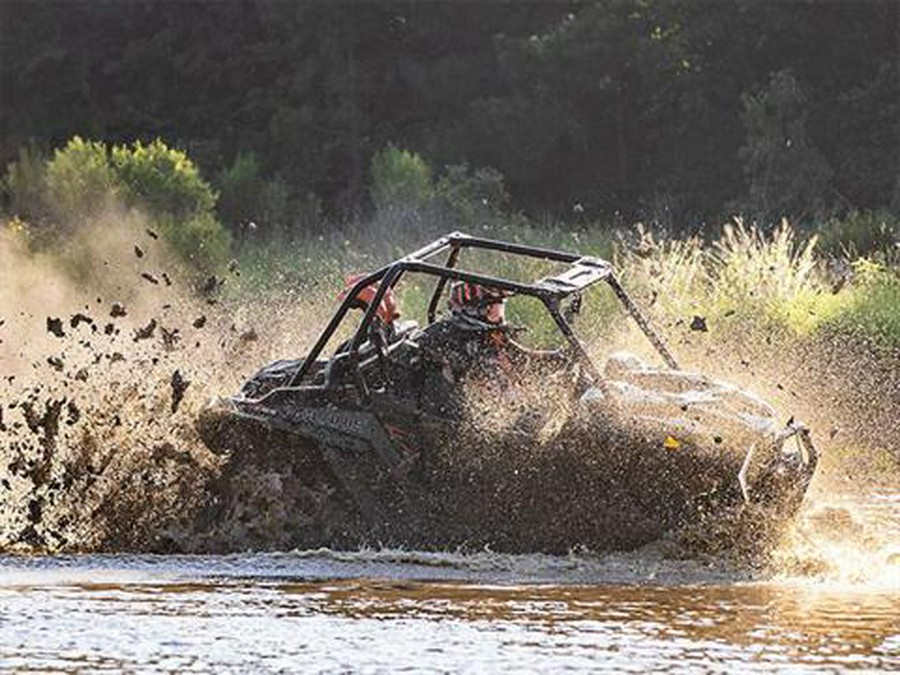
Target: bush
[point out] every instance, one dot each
(80, 179)
(400, 178)
(472, 196)
(166, 183)
(751, 267)
(872, 304)
(861, 233)
(162, 180)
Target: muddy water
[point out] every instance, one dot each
(388, 611)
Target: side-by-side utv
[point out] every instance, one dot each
(635, 450)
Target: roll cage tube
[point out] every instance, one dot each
(336, 320)
(393, 275)
(585, 271)
(441, 283)
(642, 322)
(426, 251)
(552, 305)
(458, 241)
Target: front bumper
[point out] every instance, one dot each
(785, 469)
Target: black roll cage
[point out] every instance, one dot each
(583, 271)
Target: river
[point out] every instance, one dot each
(397, 611)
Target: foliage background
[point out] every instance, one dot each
(616, 110)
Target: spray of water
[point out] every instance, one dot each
(847, 390)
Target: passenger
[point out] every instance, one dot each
(385, 320)
(383, 329)
(476, 339)
(475, 345)
(478, 307)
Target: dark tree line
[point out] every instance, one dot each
(645, 108)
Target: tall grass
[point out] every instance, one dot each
(748, 281)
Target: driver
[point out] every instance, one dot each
(475, 344)
(478, 307)
(476, 339)
(482, 309)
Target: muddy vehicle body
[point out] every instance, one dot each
(378, 428)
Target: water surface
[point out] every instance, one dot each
(390, 611)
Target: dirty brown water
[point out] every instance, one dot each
(392, 611)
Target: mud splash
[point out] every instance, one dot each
(848, 539)
(108, 355)
(108, 348)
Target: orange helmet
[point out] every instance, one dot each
(387, 309)
(478, 302)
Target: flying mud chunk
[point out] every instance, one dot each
(179, 386)
(73, 413)
(118, 310)
(170, 338)
(55, 327)
(146, 332)
(200, 321)
(79, 318)
(698, 323)
(149, 277)
(211, 285)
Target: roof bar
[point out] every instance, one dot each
(464, 240)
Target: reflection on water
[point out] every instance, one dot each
(321, 611)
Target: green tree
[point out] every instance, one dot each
(79, 180)
(162, 180)
(400, 178)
